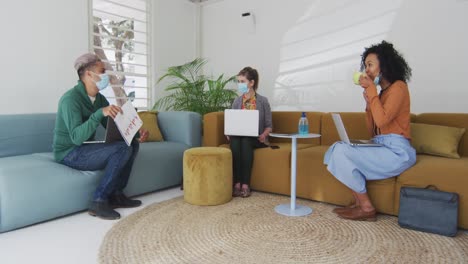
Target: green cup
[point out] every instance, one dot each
(356, 76)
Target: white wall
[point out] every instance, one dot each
(306, 50)
(174, 38)
(40, 41)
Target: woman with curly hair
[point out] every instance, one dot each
(388, 119)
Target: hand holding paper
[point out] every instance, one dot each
(143, 135)
(128, 122)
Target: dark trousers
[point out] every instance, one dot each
(242, 157)
(115, 158)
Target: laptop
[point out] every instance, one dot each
(344, 136)
(241, 122)
(112, 134)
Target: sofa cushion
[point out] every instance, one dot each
(181, 126)
(26, 134)
(153, 159)
(315, 182)
(448, 119)
(287, 122)
(272, 168)
(436, 140)
(53, 189)
(355, 124)
(450, 175)
(150, 123)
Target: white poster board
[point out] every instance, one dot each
(128, 122)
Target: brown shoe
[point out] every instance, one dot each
(346, 208)
(358, 214)
(245, 192)
(236, 192)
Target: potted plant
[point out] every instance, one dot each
(190, 90)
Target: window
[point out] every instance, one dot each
(120, 36)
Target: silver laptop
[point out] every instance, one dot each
(112, 134)
(344, 136)
(240, 122)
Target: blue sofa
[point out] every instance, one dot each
(35, 188)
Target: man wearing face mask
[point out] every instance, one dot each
(81, 110)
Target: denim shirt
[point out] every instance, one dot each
(264, 111)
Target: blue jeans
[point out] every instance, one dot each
(115, 158)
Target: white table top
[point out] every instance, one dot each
(294, 135)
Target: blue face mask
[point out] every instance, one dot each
(104, 82)
(377, 79)
(242, 88)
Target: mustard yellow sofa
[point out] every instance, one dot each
(271, 168)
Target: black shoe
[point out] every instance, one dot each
(103, 210)
(122, 201)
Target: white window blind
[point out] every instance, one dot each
(120, 36)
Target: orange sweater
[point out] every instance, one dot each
(391, 112)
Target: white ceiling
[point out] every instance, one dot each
(198, 1)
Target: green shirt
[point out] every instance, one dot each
(77, 120)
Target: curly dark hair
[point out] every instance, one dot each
(392, 64)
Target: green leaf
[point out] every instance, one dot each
(190, 90)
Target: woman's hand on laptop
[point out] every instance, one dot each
(111, 110)
(143, 135)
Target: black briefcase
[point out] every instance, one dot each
(428, 210)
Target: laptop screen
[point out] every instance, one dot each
(340, 128)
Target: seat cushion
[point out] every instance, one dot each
(450, 175)
(272, 168)
(315, 182)
(271, 171)
(158, 165)
(34, 188)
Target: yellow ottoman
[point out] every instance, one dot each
(207, 176)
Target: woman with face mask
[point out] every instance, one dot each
(243, 147)
(388, 121)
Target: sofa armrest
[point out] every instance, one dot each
(180, 126)
(213, 129)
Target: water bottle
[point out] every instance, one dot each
(303, 124)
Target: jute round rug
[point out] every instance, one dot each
(250, 231)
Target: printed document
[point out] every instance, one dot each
(128, 122)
